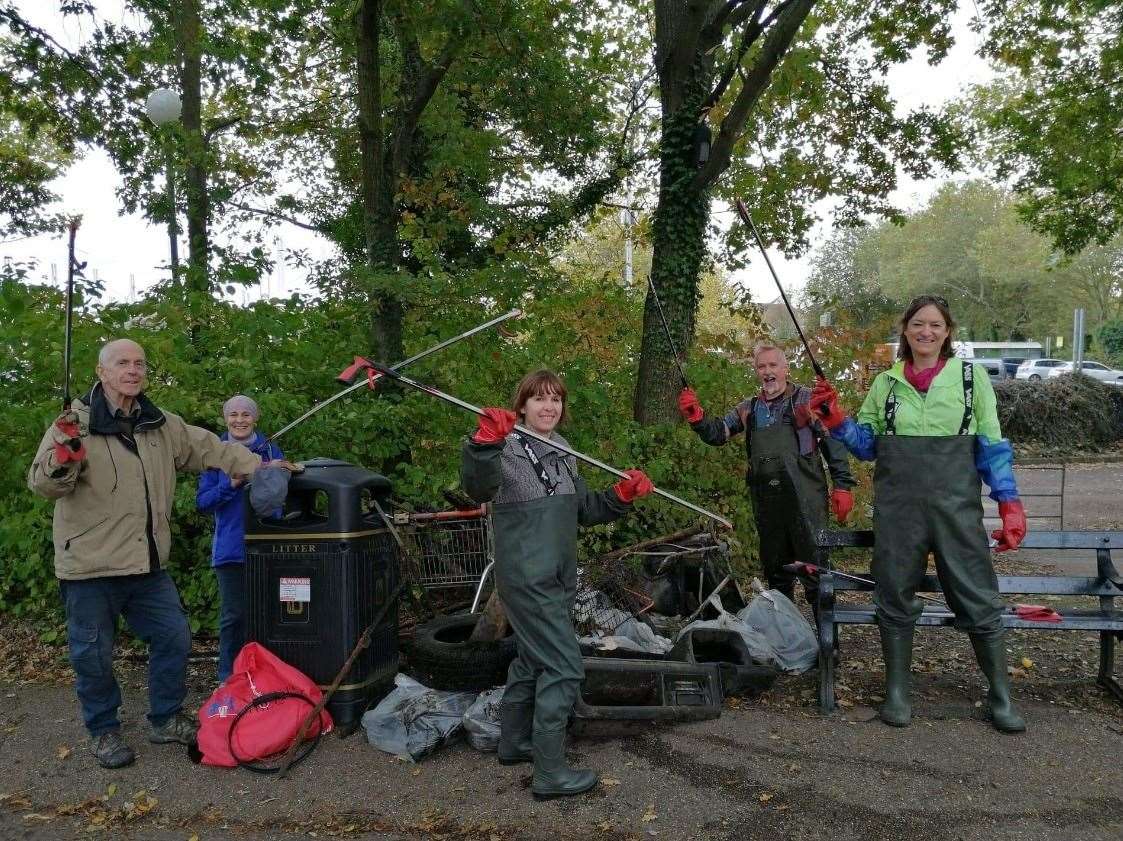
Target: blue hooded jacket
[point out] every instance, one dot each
(228, 504)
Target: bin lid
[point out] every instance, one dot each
(333, 474)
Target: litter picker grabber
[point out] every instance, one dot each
(522, 430)
(73, 267)
(72, 450)
(812, 571)
(667, 330)
(748, 220)
(1035, 612)
(360, 364)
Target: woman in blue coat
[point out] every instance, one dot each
(223, 496)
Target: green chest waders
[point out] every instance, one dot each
(927, 499)
(536, 575)
(789, 494)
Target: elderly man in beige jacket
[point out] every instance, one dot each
(110, 464)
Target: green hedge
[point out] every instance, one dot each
(286, 355)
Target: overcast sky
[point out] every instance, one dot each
(130, 253)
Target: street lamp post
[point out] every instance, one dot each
(164, 107)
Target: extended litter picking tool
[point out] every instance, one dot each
(748, 220)
(373, 374)
(667, 331)
(1035, 612)
(812, 571)
(522, 430)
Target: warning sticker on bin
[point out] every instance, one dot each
(296, 589)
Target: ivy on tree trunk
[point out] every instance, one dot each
(687, 38)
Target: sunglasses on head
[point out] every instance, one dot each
(921, 300)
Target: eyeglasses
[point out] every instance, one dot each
(921, 300)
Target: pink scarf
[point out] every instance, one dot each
(922, 380)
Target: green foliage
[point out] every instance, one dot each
(1111, 339)
(1002, 279)
(286, 353)
(1051, 121)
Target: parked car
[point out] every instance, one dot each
(994, 368)
(1011, 364)
(1095, 370)
(1036, 369)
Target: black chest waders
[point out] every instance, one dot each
(927, 499)
(789, 494)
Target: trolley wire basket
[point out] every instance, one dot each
(608, 595)
(448, 548)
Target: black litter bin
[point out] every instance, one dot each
(316, 576)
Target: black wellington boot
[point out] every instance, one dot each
(990, 651)
(515, 724)
(896, 649)
(552, 777)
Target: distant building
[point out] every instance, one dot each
(775, 315)
(990, 350)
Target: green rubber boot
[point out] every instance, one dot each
(990, 651)
(896, 649)
(552, 777)
(515, 724)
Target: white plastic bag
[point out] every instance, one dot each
(773, 614)
(413, 720)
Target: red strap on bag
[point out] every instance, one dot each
(269, 699)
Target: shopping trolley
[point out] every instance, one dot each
(449, 548)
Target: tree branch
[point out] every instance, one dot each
(776, 44)
(273, 214)
(43, 37)
(221, 125)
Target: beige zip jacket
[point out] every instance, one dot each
(109, 507)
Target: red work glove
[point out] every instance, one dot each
(1013, 525)
(636, 485)
(67, 439)
(842, 503)
(824, 404)
(689, 407)
(494, 425)
(1037, 613)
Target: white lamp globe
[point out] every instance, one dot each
(163, 106)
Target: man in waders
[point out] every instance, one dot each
(786, 480)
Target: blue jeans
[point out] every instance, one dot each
(231, 615)
(154, 612)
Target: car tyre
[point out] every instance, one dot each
(1034, 377)
(442, 656)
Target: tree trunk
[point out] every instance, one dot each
(380, 222)
(679, 236)
(189, 45)
(687, 40)
(678, 240)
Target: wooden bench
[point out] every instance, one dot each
(1104, 588)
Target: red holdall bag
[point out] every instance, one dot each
(256, 713)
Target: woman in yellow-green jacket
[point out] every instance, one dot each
(931, 424)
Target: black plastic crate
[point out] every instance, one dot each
(635, 690)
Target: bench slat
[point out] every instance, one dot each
(836, 539)
(1010, 585)
(1072, 620)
